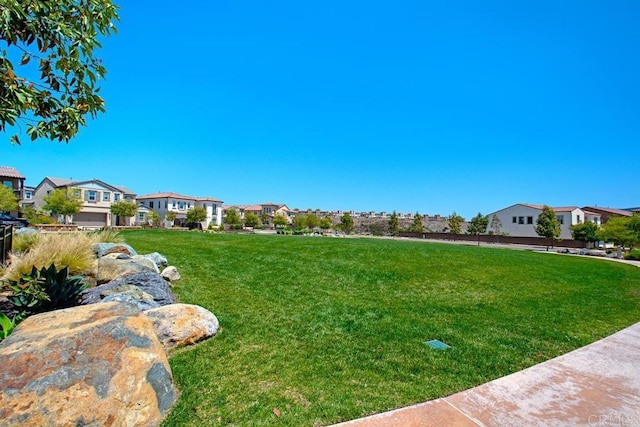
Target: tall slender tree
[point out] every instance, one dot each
(547, 225)
(394, 225)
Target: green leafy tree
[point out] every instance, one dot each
(586, 232)
(170, 216)
(622, 231)
(547, 225)
(196, 215)
(62, 201)
(326, 223)
(346, 223)
(478, 225)
(251, 220)
(300, 222)
(155, 218)
(455, 223)
(417, 226)
(232, 217)
(394, 224)
(280, 221)
(8, 200)
(313, 221)
(123, 209)
(55, 40)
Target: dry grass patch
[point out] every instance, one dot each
(73, 250)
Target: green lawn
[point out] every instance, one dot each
(327, 330)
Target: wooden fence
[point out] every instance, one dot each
(492, 238)
(6, 241)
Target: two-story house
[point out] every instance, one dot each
(12, 178)
(162, 203)
(521, 219)
(97, 197)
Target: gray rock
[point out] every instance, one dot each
(170, 273)
(114, 265)
(159, 259)
(95, 365)
(141, 304)
(596, 252)
(25, 230)
(102, 249)
(149, 282)
(178, 325)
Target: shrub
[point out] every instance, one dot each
(72, 250)
(633, 255)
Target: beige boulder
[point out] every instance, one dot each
(94, 365)
(177, 325)
(171, 273)
(113, 265)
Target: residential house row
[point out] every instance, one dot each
(98, 196)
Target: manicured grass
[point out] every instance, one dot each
(327, 330)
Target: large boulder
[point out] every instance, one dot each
(140, 303)
(102, 249)
(177, 325)
(93, 365)
(148, 282)
(113, 265)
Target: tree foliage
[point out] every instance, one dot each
(394, 224)
(312, 221)
(326, 223)
(124, 208)
(155, 218)
(623, 231)
(48, 72)
(196, 214)
(8, 200)
(346, 223)
(417, 226)
(264, 218)
(300, 222)
(455, 223)
(547, 224)
(478, 224)
(280, 220)
(251, 220)
(585, 232)
(170, 216)
(62, 201)
(232, 217)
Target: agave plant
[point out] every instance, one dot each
(45, 290)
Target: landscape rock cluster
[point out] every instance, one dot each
(103, 362)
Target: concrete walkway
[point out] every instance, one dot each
(596, 385)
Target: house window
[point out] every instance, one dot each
(27, 195)
(151, 205)
(7, 184)
(106, 196)
(579, 219)
(174, 204)
(181, 206)
(514, 219)
(77, 192)
(116, 197)
(141, 216)
(166, 204)
(560, 218)
(529, 220)
(92, 196)
(520, 220)
(189, 205)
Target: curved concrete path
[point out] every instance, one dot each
(596, 385)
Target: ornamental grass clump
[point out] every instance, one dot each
(106, 235)
(72, 250)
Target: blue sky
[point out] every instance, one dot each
(408, 106)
